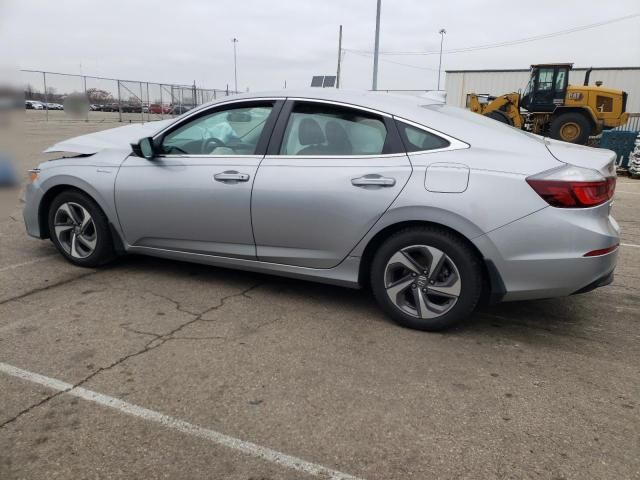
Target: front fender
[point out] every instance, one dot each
(97, 182)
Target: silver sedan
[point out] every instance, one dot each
(432, 207)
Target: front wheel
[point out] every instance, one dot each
(426, 278)
(570, 127)
(80, 230)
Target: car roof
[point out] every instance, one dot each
(385, 102)
(433, 113)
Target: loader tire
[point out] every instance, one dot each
(499, 116)
(572, 127)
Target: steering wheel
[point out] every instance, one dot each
(207, 143)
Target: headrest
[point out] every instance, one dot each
(310, 132)
(337, 138)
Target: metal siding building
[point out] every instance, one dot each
(496, 82)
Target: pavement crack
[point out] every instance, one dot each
(152, 344)
(31, 407)
(48, 287)
(125, 326)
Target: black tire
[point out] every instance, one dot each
(566, 123)
(454, 247)
(499, 116)
(104, 249)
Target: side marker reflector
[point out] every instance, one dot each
(601, 251)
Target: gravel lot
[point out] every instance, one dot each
(181, 366)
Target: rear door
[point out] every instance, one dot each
(330, 172)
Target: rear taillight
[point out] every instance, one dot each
(573, 187)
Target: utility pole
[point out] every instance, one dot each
(441, 32)
(339, 57)
(235, 63)
(374, 85)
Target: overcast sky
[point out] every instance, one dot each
(291, 40)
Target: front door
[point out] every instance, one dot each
(195, 195)
(330, 174)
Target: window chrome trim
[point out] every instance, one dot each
(337, 157)
(341, 104)
(454, 143)
(191, 155)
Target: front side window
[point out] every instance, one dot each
(318, 129)
(545, 79)
(233, 131)
(560, 80)
(416, 139)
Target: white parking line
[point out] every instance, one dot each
(212, 436)
(630, 245)
(630, 193)
(24, 264)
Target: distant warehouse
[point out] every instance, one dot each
(496, 82)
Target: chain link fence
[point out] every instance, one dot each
(51, 96)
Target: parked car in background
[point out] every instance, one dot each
(433, 207)
(131, 108)
(110, 107)
(180, 109)
(33, 105)
(55, 106)
(159, 109)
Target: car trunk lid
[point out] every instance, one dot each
(599, 159)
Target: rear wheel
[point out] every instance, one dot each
(571, 127)
(426, 278)
(499, 116)
(80, 230)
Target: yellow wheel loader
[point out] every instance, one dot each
(550, 106)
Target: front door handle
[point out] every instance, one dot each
(373, 181)
(231, 176)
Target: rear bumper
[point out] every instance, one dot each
(603, 281)
(542, 255)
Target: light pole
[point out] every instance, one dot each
(374, 85)
(235, 64)
(441, 32)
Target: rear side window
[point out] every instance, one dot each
(328, 130)
(417, 140)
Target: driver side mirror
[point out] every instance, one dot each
(144, 148)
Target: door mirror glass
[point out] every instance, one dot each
(144, 148)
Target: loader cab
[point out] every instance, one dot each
(547, 87)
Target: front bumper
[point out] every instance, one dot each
(30, 213)
(542, 254)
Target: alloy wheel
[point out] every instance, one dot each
(75, 230)
(422, 281)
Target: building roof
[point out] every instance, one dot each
(504, 70)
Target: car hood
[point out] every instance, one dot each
(598, 159)
(120, 137)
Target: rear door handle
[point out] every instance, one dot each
(231, 176)
(373, 180)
